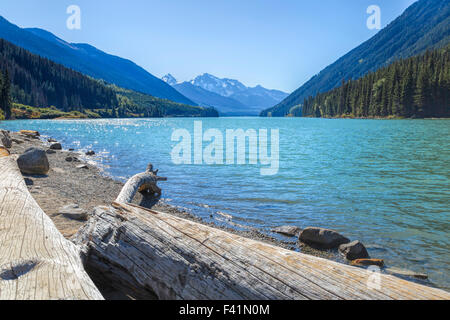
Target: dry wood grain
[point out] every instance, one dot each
(157, 254)
(36, 261)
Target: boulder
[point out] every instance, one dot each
(73, 211)
(51, 140)
(368, 262)
(33, 161)
(56, 146)
(90, 153)
(322, 238)
(354, 250)
(6, 139)
(50, 151)
(288, 231)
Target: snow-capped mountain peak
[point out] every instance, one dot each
(169, 79)
(224, 87)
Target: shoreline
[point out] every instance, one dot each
(66, 184)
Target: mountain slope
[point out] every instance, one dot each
(416, 87)
(424, 25)
(254, 99)
(89, 60)
(226, 106)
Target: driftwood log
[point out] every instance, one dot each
(36, 261)
(154, 255)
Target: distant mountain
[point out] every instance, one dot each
(259, 97)
(169, 79)
(229, 96)
(226, 106)
(424, 25)
(224, 87)
(90, 61)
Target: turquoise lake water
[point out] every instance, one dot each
(385, 183)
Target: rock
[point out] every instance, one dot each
(18, 141)
(354, 250)
(72, 159)
(368, 262)
(82, 166)
(33, 161)
(30, 134)
(322, 238)
(73, 211)
(406, 273)
(90, 153)
(50, 151)
(56, 146)
(29, 182)
(289, 231)
(51, 140)
(6, 139)
(71, 149)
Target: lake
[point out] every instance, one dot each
(383, 182)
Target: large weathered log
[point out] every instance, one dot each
(36, 262)
(151, 254)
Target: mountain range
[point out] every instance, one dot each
(230, 97)
(89, 61)
(425, 25)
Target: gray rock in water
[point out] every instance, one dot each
(322, 238)
(6, 139)
(56, 146)
(90, 153)
(73, 211)
(33, 161)
(51, 140)
(289, 231)
(354, 250)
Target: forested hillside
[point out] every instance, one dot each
(417, 87)
(425, 25)
(39, 82)
(143, 105)
(41, 88)
(5, 100)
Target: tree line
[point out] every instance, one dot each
(417, 87)
(5, 98)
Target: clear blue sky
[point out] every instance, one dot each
(279, 44)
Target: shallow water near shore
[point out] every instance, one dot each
(384, 182)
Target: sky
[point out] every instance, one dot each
(279, 44)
